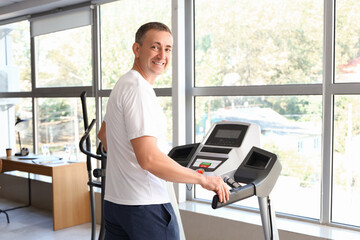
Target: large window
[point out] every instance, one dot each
(15, 135)
(346, 169)
(64, 64)
(278, 59)
(119, 22)
(266, 43)
(347, 48)
(346, 164)
(15, 74)
(63, 59)
(60, 126)
(258, 42)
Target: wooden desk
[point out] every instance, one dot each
(70, 193)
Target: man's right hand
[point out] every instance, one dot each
(216, 184)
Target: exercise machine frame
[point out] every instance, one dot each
(97, 172)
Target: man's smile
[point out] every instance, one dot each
(158, 63)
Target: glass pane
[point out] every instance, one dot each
(166, 104)
(15, 72)
(347, 42)
(12, 136)
(346, 161)
(290, 128)
(63, 59)
(119, 23)
(258, 42)
(60, 127)
(104, 102)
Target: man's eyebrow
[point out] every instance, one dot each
(158, 43)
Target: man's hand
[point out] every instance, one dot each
(216, 184)
(102, 135)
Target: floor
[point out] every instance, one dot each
(31, 223)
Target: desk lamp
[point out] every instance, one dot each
(20, 125)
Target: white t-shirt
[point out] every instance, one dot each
(132, 111)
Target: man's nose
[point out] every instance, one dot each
(162, 54)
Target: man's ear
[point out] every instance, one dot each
(136, 49)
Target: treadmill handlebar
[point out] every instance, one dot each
(236, 194)
(231, 182)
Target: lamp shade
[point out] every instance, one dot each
(21, 124)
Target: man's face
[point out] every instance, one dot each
(153, 56)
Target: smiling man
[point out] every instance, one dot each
(137, 204)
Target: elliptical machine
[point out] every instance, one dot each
(97, 172)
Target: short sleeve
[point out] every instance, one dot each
(142, 113)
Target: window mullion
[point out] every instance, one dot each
(328, 66)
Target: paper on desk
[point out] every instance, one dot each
(48, 162)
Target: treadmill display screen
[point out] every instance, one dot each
(225, 133)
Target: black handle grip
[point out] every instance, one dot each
(236, 194)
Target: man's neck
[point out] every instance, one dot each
(137, 68)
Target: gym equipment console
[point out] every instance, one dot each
(230, 150)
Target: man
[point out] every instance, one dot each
(133, 132)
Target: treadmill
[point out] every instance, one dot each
(231, 150)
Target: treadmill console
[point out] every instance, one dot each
(224, 148)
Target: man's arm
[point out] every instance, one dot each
(153, 160)
(102, 135)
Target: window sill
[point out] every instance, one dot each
(313, 230)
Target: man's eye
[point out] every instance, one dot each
(168, 50)
(155, 47)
